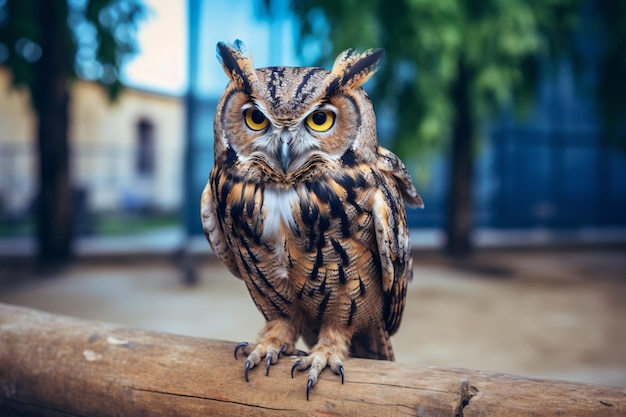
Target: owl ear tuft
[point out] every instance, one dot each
(352, 69)
(237, 64)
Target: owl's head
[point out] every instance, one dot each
(289, 118)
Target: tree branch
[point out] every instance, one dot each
(59, 366)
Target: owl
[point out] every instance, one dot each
(305, 207)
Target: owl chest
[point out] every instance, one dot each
(305, 248)
(283, 224)
(262, 224)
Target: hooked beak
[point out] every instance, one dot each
(285, 155)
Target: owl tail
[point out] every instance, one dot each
(372, 343)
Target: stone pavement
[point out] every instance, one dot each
(555, 313)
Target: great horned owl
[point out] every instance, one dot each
(308, 210)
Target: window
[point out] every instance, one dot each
(145, 148)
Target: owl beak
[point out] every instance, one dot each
(285, 154)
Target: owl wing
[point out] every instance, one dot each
(392, 235)
(213, 229)
(390, 164)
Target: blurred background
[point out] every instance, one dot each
(510, 116)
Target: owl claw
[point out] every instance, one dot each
(245, 372)
(241, 345)
(282, 349)
(295, 365)
(268, 363)
(309, 384)
(341, 372)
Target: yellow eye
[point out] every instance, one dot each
(320, 120)
(255, 119)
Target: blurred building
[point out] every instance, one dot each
(125, 155)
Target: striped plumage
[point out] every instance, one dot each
(308, 210)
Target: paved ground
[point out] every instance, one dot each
(559, 314)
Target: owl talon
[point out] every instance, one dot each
(268, 363)
(242, 346)
(295, 365)
(245, 372)
(282, 350)
(341, 373)
(309, 384)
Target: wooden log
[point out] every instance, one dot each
(59, 366)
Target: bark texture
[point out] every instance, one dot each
(59, 366)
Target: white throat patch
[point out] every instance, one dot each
(277, 210)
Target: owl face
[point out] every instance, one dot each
(285, 118)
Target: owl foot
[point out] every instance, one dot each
(270, 352)
(318, 361)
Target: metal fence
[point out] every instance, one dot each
(556, 179)
(532, 177)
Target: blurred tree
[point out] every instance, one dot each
(451, 65)
(609, 26)
(48, 44)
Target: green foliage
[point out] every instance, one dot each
(502, 44)
(20, 25)
(99, 35)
